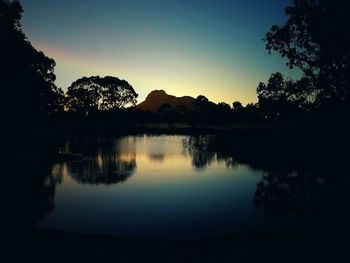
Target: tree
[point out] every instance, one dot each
(280, 96)
(315, 39)
(220, 114)
(27, 75)
(223, 106)
(87, 95)
(116, 93)
(276, 88)
(164, 108)
(201, 103)
(251, 112)
(237, 106)
(166, 113)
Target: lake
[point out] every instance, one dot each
(157, 186)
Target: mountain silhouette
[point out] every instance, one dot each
(157, 98)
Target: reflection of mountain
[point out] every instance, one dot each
(107, 161)
(157, 98)
(156, 157)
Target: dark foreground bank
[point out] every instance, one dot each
(46, 245)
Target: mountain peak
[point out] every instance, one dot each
(160, 91)
(157, 98)
(156, 94)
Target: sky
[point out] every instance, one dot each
(185, 47)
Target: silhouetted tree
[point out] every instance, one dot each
(280, 96)
(237, 106)
(164, 108)
(27, 75)
(201, 108)
(251, 112)
(201, 103)
(223, 106)
(87, 95)
(116, 93)
(275, 89)
(167, 113)
(221, 113)
(316, 39)
(181, 109)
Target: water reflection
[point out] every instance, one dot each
(102, 161)
(157, 157)
(318, 198)
(290, 192)
(32, 194)
(197, 147)
(309, 182)
(167, 193)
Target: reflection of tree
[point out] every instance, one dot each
(289, 192)
(318, 200)
(43, 191)
(108, 162)
(230, 161)
(201, 159)
(32, 191)
(204, 149)
(198, 148)
(307, 181)
(103, 169)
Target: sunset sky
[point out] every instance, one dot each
(212, 47)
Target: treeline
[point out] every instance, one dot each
(313, 39)
(207, 112)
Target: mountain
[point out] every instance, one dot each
(159, 97)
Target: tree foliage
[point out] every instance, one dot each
(27, 75)
(89, 94)
(202, 104)
(316, 39)
(282, 96)
(223, 106)
(237, 106)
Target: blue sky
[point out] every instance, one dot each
(191, 47)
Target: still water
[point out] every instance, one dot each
(156, 186)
